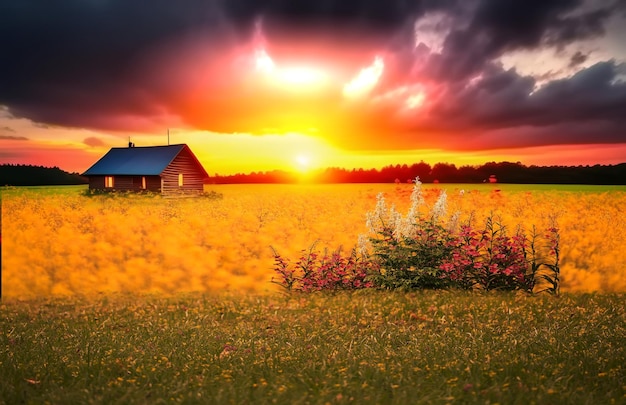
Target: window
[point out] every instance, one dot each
(108, 181)
(143, 182)
(180, 179)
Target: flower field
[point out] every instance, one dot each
(139, 299)
(70, 244)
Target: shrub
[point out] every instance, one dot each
(409, 250)
(315, 271)
(487, 259)
(426, 249)
(412, 262)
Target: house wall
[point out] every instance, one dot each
(96, 182)
(127, 183)
(153, 183)
(124, 183)
(192, 176)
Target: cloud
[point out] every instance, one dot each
(495, 27)
(586, 106)
(7, 129)
(577, 59)
(49, 155)
(114, 65)
(8, 155)
(502, 98)
(94, 142)
(13, 138)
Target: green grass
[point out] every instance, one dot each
(32, 191)
(361, 347)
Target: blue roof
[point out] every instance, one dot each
(136, 161)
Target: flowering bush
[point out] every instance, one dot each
(488, 259)
(314, 271)
(410, 249)
(428, 249)
(410, 262)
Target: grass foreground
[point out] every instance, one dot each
(352, 347)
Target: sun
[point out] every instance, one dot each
(303, 162)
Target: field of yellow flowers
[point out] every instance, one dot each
(70, 244)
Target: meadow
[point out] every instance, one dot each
(56, 241)
(362, 347)
(140, 299)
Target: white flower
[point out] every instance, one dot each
(396, 223)
(417, 199)
(453, 222)
(439, 210)
(376, 220)
(363, 245)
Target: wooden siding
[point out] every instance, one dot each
(153, 183)
(96, 182)
(126, 183)
(123, 183)
(192, 175)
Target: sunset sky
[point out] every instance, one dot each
(256, 85)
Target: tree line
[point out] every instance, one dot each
(502, 172)
(29, 175)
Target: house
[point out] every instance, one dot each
(169, 170)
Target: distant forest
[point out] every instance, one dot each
(27, 175)
(504, 172)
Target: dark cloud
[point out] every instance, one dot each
(354, 15)
(587, 107)
(131, 65)
(577, 59)
(13, 138)
(72, 59)
(7, 129)
(496, 27)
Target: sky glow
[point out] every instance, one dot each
(258, 85)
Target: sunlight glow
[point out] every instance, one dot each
(301, 75)
(366, 80)
(304, 77)
(303, 161)
(263, 62)
(415, 100)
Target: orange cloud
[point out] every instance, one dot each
(94, 142)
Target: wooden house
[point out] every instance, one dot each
(169, 170)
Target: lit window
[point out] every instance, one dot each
(180, 179)
(143, 182)
(108, 181)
